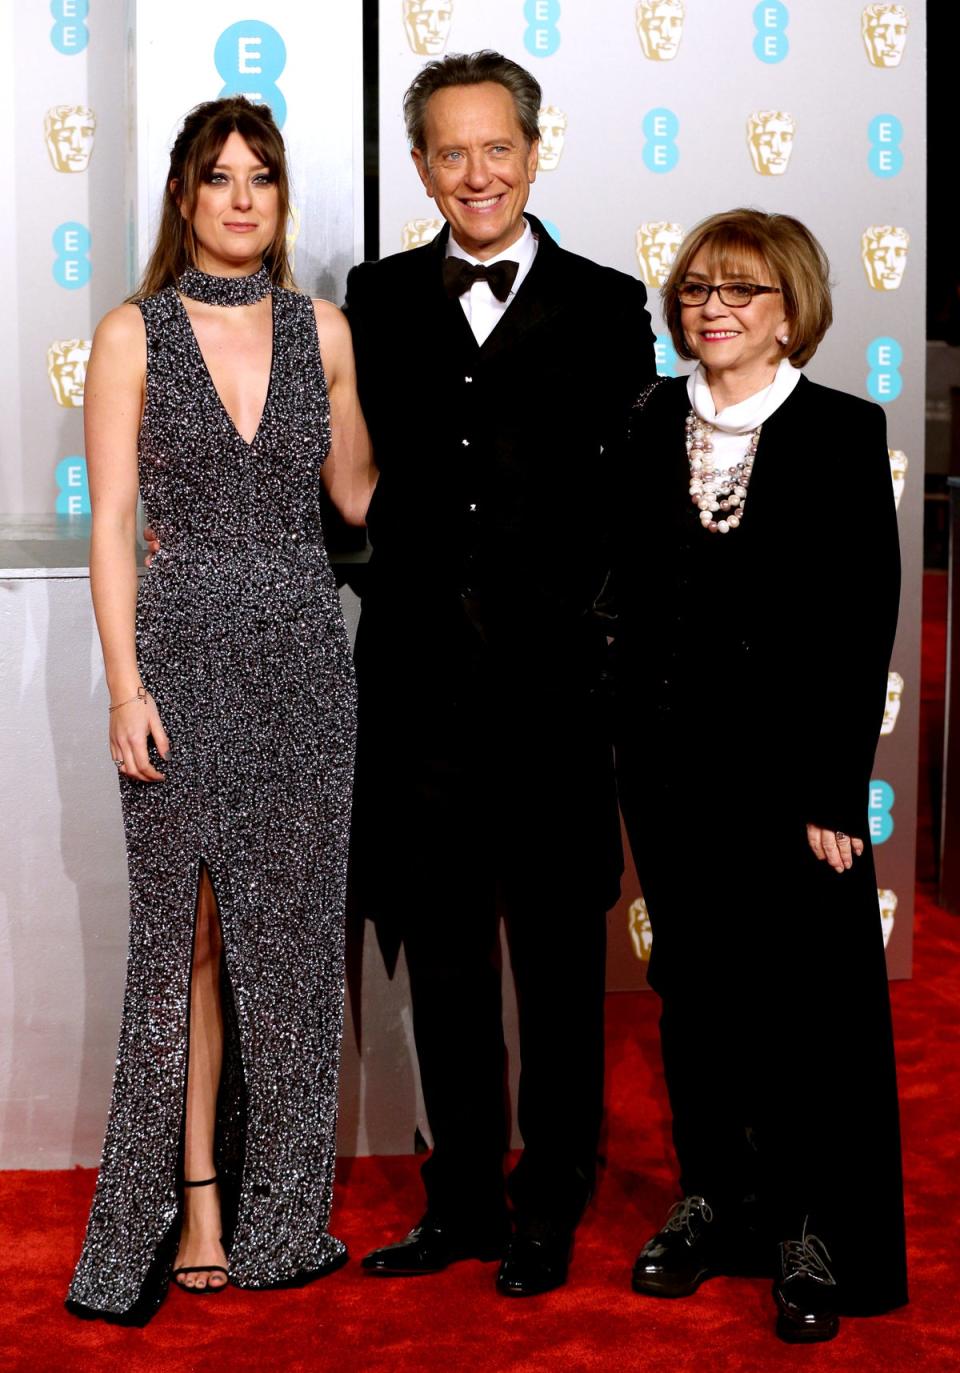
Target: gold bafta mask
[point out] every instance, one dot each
(660, 28)
(416, 232)
(899, 462)
(888, 912)
(427, 23)
(553, 130)
(641, 935)
(67, 370)
(68, 131)
(770, 135)
(891, 707)
(884, 29)
(883, 251)
(657, 244)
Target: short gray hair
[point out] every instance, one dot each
(471, 69)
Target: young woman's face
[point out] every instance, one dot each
(234, 217)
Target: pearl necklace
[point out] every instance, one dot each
(712, 493)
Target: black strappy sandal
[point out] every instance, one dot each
(208, 1290)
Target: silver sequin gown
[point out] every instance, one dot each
(241, 641)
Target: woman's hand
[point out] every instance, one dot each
(131, 724)
(834, 847)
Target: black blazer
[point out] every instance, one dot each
(478, 657)
(497, 462)
(789, 619)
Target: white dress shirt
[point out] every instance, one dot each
(480, 305)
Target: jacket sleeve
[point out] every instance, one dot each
(851, 599)
(360, 310)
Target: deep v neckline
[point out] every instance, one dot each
(247, 443)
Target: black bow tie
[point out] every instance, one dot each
(459, 276)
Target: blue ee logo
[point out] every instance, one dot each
(660, 152)
(770, 19)
(69, 34)
(665, 356)
(541, 36)
(880, 805)
(551, 229)
(884, 381)
(886, 134)
(73, 493)
(250, 56)
(71, 266)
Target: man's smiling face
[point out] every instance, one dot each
(477, 165)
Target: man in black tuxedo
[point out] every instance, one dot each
(496, 372)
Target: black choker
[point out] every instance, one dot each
(213, 290)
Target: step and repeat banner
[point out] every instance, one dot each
(654, 114)
(657, 113)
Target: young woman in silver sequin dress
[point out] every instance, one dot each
(232, 716)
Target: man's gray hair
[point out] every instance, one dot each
(470, 69)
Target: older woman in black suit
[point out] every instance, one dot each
(760, 584)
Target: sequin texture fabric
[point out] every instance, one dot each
(241, 641)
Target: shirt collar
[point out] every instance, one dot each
(522, 252)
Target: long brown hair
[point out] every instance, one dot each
(192, 159)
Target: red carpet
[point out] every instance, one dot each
(455, 1323)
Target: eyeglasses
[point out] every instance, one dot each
(734, 294)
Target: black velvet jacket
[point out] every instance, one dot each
(763, 653)
(492, 525)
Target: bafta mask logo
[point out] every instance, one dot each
(67, 370)
(68, 131)
(884, 29)
(891, 708)
(657, 244)
(660, 28)
(427, 23)
(641, 935)
(883, 251)
(888, 912)
(416, 232)
(770, 136)
(899, 462)
(553, 130)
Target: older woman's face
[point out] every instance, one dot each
(727, 338)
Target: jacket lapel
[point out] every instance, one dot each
(438, 315)
(539, 298)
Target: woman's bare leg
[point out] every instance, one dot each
(200, 1235)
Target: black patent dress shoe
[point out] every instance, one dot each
(537, 1260)
(805, 1292)
(431, 1247)
(678, 1258)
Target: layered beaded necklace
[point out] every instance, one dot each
(720, 497)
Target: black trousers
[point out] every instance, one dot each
(775, 1026)
(558, 954)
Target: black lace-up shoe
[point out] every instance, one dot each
(805, 1292)
(680, 1256)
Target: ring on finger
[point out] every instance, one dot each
(841, 836)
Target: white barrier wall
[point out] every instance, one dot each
(657, 113)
